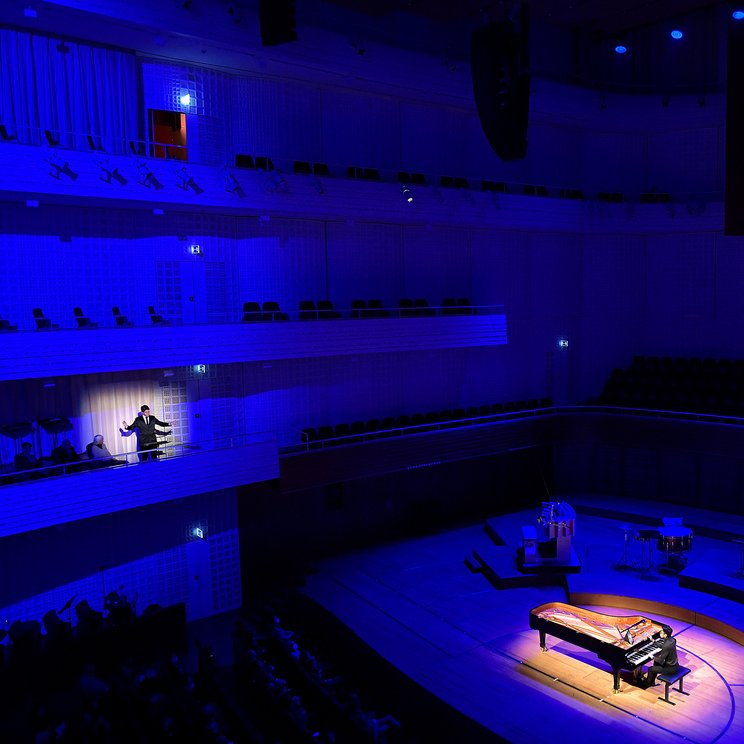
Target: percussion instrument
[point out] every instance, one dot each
(674, 539)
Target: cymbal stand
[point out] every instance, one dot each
(625, 561)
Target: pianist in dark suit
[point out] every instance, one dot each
(666, 661)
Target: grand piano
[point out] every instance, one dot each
(622, 641)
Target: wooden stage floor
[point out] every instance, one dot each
(449, 629)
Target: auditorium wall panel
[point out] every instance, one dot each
(640, 473)
(438, 263)
(555, 268)
(610, 330)
(682, 284)
(572, 466)
(281, 260)
(361, 130)
(365, 261)
(729, 299)
(614, 161)
(554, 154)
(684, 163)
(285, 396)
(679, 478)
(681, 276)
(501, 270)
(276, 118)
(721, 482)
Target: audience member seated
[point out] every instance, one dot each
(64, 453)
(89, 621)
(57, 631)
(98, 451)
(104, 683)
(25, 459)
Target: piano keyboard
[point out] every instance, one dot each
(641, 655)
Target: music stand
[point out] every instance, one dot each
(645, 537)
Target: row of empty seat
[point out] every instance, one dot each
(356, 431)
(270, 311)
(325, 310)
(83, 321)
(695, 385)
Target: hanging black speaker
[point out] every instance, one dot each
(499, 57)
(277, 21)
(733, 219)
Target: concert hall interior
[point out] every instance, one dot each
(437, 308)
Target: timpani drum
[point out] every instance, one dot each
(675, 539)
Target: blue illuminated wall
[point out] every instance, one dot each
(616, 279)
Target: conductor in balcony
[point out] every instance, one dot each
(666, 661)
(147, 434)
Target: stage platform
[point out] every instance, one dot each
(427, 607)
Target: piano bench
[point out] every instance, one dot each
(670, 679)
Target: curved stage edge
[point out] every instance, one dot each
(651, 607)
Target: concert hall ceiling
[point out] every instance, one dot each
(601, 16)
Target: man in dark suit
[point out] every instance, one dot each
(147, 433)
(665, 661)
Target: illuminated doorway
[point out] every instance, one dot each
(168, 135)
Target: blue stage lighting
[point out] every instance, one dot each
(621, 49)
(737, 15)
(676, 34)
(185, 99)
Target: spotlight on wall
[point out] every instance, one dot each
(275, 183)
(186, 182)
(407, 193)
(60, 168)
(185, 98)
(232, 186)
(147, 178)
(196, 250)
(111, 175)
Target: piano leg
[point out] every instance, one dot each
(616, 679)
(543, 647)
